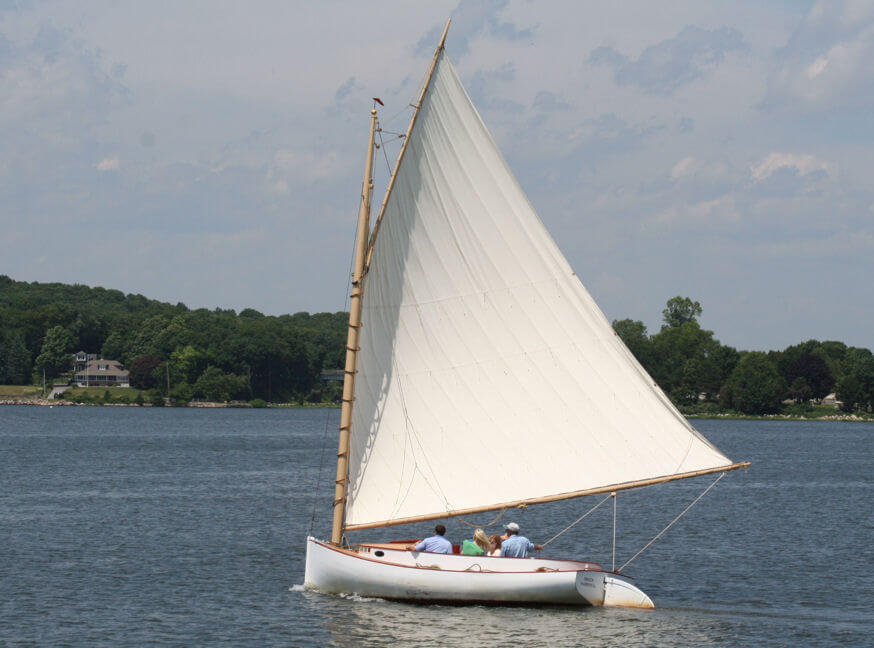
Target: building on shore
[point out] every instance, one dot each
(98, 372)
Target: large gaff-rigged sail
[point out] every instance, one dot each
(487, 374)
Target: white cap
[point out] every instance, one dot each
(511, 526)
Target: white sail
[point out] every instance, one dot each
(487, 374)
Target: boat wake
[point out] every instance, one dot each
(356, 598)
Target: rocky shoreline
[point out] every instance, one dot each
(43, 402)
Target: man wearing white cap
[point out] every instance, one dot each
(517, 546)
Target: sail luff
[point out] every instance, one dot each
(542, 500)
(391, 182)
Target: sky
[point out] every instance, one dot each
(211, 152)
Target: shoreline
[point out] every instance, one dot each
(43, 402)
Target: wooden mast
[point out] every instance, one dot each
(363, 250)
(394, 173)
(352, 342)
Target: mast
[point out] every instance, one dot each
(363, 247)
(394, 173)
(352, 342)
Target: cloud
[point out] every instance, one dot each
(609, 134)
(548, 102)
(108, 164)
(673, 63)
(345, 88)
(685, 124)
(481, 87)
(826, 64)
(802, 164)
(470, 19)
(684, 167)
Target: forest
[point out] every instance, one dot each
(211, 354)
(222, 355)
(701, 375)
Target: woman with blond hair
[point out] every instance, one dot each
(479, 546)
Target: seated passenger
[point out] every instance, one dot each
(435, 544)
(495, 542)
(517, 546)
(479, 546)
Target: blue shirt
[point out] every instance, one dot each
(435, 544)
(516, 546)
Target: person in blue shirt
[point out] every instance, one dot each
(517, 546)
(436, 543)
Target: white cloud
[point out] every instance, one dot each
(684, 167)
(816, 68)
(803, 164)
(108, 164)
(827, 62)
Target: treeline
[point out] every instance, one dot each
(223, 355)
(702, 375)
(216, 355)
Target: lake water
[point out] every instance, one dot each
(132, 527)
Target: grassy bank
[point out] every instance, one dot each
(20, 391)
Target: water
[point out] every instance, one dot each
(131, 527)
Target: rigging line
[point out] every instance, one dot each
(487, 524)
(321, 465)
(412, 103)
(578, 520)
(403, 110)
(327, 410)
(384, 154)
(411, 433)
(706, 490)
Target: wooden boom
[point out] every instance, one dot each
(548, 498)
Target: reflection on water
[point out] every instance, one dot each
(369, 623)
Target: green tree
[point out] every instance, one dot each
(114, 346)
(185, 364)
(215, 385)
(857, 386)
(684, 360)
(142, 371)
(755, 386)
(799, 390)
(14, 359)
(814, 369)
(850, 392)
(56, 354)
(181, 392)
(633, 333)
(680, 310)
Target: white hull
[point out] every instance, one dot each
(384, 571)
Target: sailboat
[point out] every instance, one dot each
(476, 358)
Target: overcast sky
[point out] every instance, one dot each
(211, 152)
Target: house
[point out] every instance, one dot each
(81, 359)
(832, 400)
(101, 373)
